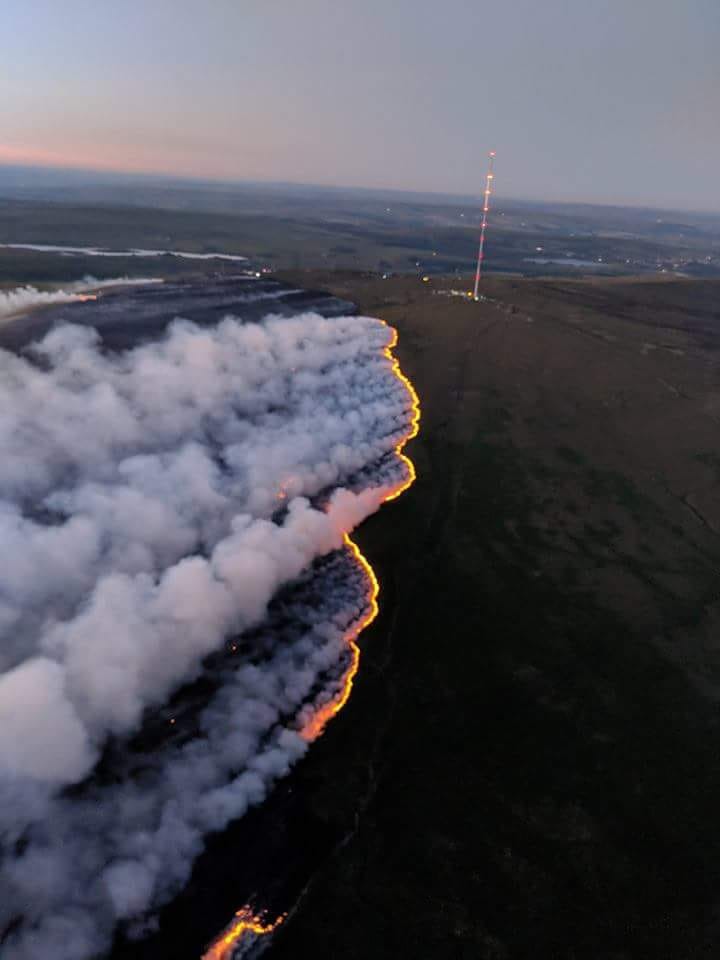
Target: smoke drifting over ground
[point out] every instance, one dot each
(130, 252)
(22, 299)
(153, 502)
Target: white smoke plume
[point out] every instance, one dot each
(152, 503)
(21, 299)
(129, 252)
(89, 282)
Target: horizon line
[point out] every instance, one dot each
(190, 178)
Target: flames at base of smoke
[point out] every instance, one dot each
(246, 927)
(321, 713)
(324, 712)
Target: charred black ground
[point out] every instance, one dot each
(125, 317)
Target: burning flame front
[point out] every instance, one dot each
(246, 926)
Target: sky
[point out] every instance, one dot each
(614, 101)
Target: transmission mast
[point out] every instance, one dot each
(483, 227)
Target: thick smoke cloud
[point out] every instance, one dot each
(22, 299)
(153, 503)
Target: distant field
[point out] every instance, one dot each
(379, 231)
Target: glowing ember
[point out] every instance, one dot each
(246, 925)
(326, 711)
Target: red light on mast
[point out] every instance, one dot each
(483, 226)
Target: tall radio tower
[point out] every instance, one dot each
(483, 227)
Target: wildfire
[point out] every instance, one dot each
(82, 297)
(245, 923)
(325, 712)
(414, 420)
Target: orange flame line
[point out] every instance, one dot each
(324, 713)
(245, 922)
(414, 420)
